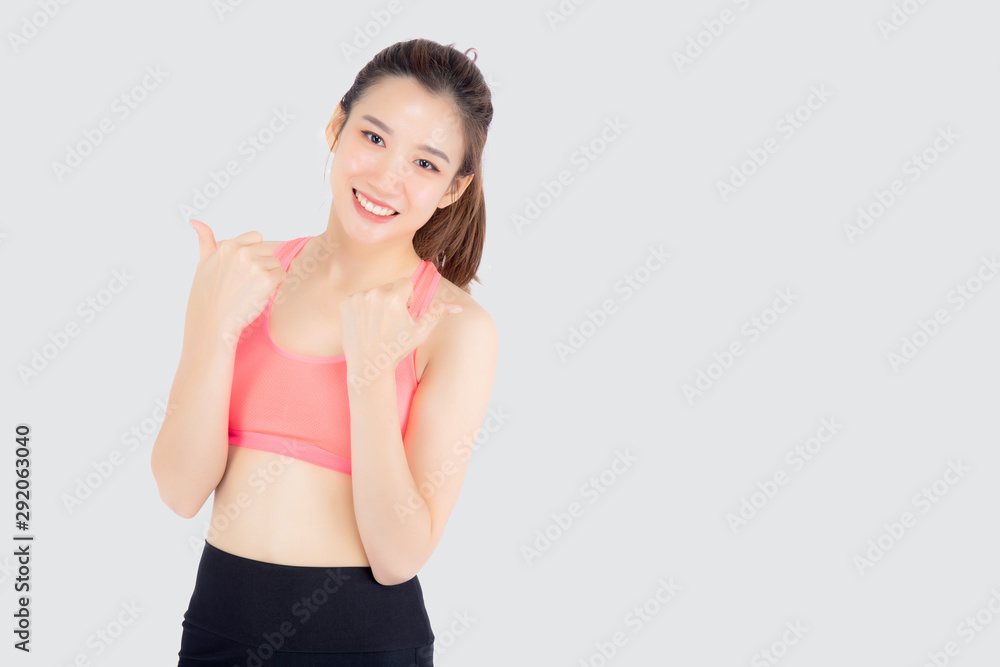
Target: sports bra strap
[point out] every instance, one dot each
(285, 251)
(423, 290)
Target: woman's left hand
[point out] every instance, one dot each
(377, 331)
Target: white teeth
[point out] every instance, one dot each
(372, 208)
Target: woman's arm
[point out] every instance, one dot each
(191, 450)
(404, 496)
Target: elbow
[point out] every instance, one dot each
(389, 580)
(183, 495)
(188, 511)
(397, 571)
(182, 506)
(390, 577)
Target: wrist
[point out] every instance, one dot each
(371, 377)
(218, 334)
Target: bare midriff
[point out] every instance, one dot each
(277, 509)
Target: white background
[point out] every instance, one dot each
(683, 130)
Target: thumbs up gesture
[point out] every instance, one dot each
(234, 278)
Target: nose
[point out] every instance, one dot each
(393, 171)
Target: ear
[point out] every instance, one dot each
(333, 127)
(454, 192)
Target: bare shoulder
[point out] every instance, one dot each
(472, 327)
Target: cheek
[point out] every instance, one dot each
(349, 162)
(424, 199)
(342, 169)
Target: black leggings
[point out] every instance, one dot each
(249, 613)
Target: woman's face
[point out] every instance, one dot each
(401, 149)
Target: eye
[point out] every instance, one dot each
(370, 134)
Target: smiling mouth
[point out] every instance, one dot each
(380, 210)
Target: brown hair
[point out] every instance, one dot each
(453, 236)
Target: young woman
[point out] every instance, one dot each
(329, 388)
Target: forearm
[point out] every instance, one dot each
(190, 451)
(395, 542)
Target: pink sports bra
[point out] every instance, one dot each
(297, 405)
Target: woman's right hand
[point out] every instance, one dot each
(234, 279)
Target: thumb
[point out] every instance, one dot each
(206, 239)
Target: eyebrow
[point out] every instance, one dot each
(424, 147)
